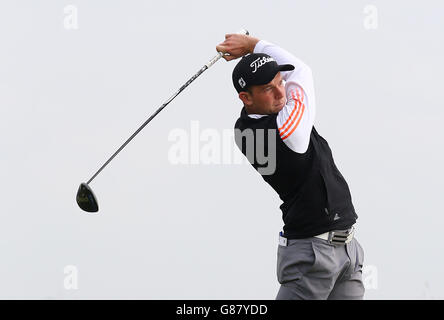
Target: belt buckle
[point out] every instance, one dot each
(341, 236)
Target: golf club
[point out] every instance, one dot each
(85, 198)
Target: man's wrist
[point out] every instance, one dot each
(260, 46)
(252, 44)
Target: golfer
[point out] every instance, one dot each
(318, 256)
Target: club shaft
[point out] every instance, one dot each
(205, 67)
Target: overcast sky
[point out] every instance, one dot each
(77, 78)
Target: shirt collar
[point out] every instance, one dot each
(245, 115)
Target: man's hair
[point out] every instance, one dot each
(249, 89)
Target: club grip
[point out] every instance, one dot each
(220, 54)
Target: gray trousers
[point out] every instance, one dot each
(312, 268)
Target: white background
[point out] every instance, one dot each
(70, 98)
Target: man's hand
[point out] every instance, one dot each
(236, 45)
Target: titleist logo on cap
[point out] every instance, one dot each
(259, 62)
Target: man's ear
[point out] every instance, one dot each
(246, 98)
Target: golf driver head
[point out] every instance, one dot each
(86, 199)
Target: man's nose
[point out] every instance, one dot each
(279, 93)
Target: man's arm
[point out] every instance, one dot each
(296, 119)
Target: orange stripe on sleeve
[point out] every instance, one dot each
(300, 111)
(292, 112)
(297, 123)
(298, 94)
(293, 119)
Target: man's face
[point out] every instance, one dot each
(265, 99)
